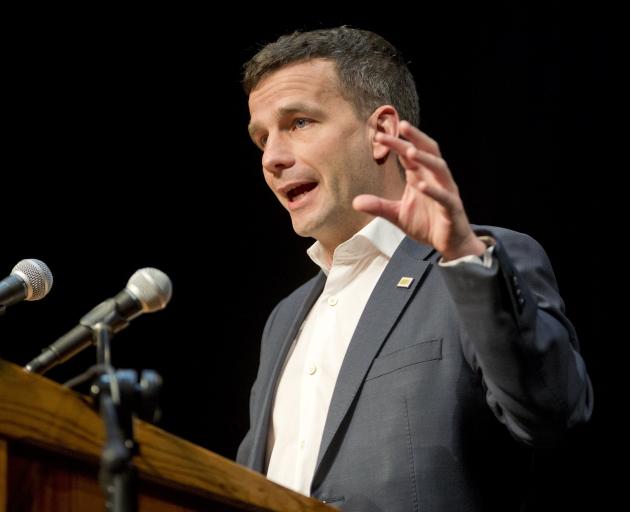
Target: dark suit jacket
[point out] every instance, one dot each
(412, 423)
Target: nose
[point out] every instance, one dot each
(277, 155)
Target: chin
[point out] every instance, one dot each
(301, 231)
(305, 229)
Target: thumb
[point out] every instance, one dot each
(378, 206)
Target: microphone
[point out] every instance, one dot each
(29, 280)
(147, 290)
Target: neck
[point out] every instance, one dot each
(332, 240)
(392, 187)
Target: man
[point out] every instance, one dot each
(393, 379)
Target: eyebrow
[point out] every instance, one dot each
(289, 109)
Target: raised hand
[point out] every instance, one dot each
(430, 210)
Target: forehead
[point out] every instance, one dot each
(314, 80)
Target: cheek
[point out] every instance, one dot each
(267, 177)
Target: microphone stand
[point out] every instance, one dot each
(114, 393)
(119, 396)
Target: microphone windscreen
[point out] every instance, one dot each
(151, 287)
(37, 277)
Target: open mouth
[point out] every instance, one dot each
(296, 193)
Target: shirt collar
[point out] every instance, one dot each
(379, 234)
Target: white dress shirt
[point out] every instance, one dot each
(310, 372)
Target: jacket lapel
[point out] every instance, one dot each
(379, 316)
(257, 455)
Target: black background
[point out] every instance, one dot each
(125, 145)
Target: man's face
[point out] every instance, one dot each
(317, 153)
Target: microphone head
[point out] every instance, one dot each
(151, 287)
(37, 277)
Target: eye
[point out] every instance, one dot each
(301, 122)
(262, 141)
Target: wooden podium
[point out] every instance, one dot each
(50, 445)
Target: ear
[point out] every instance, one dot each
(384, 119)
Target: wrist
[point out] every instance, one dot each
(475, 246)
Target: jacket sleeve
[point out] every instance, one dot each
(515, 334)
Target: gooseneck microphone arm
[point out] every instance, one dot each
(148, 290)
(117, 312)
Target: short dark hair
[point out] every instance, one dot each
(371, 70)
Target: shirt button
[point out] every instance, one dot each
(312, 369)
(301, 444)
(332, 301)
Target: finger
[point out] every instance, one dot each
(435, 164)
(375, 205)
(413, 158)
(450, 202)
(399, 145)
(419, 139)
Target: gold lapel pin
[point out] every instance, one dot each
(405, 282)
